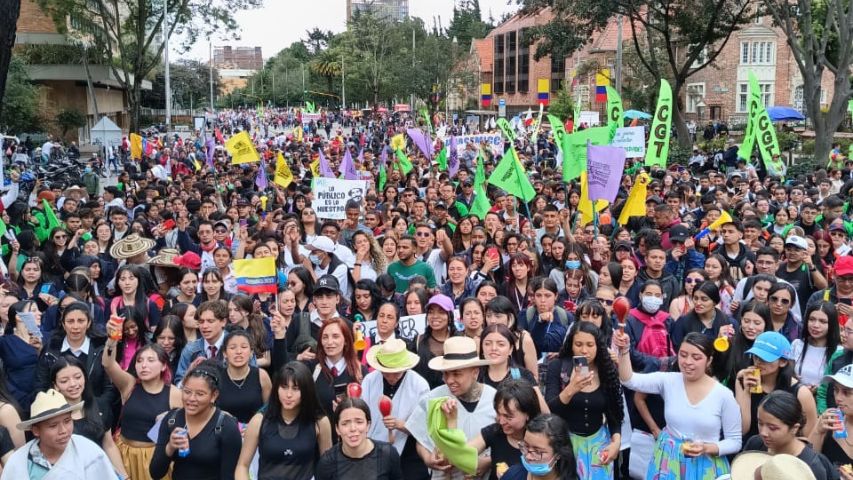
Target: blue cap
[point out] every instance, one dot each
(771, 346)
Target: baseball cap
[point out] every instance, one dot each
(837, 227)
(440, 205)
(442, 301)
(623, 245)
(771, 346)
(327, 282)
(322, 243)
(844, 266)
(797, 241)
(654, 199)
(843, 376)
(679, 233)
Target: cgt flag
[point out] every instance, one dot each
(256, 275)
(614, 107)
(241, 149)
(510, 177)
(658, 149)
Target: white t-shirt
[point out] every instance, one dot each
(810, 369)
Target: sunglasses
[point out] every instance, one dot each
(693, 280)
(423, 234)
(783, 301)
(220, 230)
(605, 301)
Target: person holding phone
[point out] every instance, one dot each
(20, 346)
(583, 379)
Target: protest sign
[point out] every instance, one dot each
(331, 196)
(493, 140)
(632, 140)
(604, 168)
(307, 118)
(590, 119)
(409, 326)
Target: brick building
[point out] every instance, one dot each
(238, 58)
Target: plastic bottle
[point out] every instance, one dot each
(184, 452)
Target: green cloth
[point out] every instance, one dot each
(405, 163)
(402, 274)
(823, 389)
(450, 442)
(510, 177)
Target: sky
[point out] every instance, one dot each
(277, 24)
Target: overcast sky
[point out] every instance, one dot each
(280, 22)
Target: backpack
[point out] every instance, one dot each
(655, 338)
(562, 316)
(217, 429)
(304, 339)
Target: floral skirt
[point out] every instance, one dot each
(588, 455)
(669, 462)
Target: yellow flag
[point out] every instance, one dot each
(635, 206)
(315, 168)
(197, 165)
(585, 204)
(283, 175)
(241, 149)
(135, 146)
(298, 133)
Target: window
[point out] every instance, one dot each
(743, 95)
(499, 75)
(524, 71)
(499, 45)
(511, 41)
(510, 74)
(799, 100)
(701, 58)
(757, 53)
(695, 95)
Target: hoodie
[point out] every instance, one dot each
(669, 284)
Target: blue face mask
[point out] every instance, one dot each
(536, 469)
(573, 264)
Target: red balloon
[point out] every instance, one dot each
(354, 390)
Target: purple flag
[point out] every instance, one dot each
(348, 167)
(262, 181)
(325, 169)
(383, 157)
(422, 140)
(604, 168)
(211, 146)
(453, 159)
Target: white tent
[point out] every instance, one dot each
(105, 132)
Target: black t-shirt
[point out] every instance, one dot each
(213, 455)
(801, 280)
(819, 464)
(382, 463)
(502, 451)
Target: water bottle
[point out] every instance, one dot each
(841, 433)
(184, 452)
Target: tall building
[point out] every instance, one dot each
(238, 58)
(395, 10)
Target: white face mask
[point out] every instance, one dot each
(314, 259)
(651, 303)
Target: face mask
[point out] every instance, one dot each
(536, 469)
(651, 304)
(87, 170)
(573, 264)
(314, 259)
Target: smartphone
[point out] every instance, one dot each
(582, 364)
(340, 391)
(45, 288)
(29, 321)
(168, 224)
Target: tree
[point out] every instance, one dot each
(70, 118)
(8, 26)
(190, 81)
(128, 32)
(317, 40)
(467, 23)
(820, 35)
(19, 111)
(685, 37)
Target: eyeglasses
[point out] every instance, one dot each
(534, 455)
(605, 301)
(844, 279)
(783, 301)
(423, 234)
(220, 230)
(693, 280)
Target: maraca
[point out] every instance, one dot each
(354, 390)
(385, 409)
(621, 306)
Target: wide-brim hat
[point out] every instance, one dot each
(47, 405)
(459, 353)
(131, 246)
(392, 357)
(165, 258)
(773, 467)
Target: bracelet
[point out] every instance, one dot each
(357, 264)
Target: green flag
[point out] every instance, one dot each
(481, 205)
(574, 149)
(559, 130)
(763, 131)
(383, 177)
(748, 143)
(404, 161)
(614, 108)
(576, 115)
(506, 128)
(509, 176)
(2, 227)
(657, 151)
(50, 215)
(425, 114)
(442, 159)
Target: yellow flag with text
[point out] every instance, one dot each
(283, 175)
(241, 149)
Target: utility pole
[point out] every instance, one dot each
(273, 86)
(166, 60)
(211, 77)
(413, 69)
(286, 88)
(343, 84)
(303, 82)
(619, 54)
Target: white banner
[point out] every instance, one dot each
(494, 140)
(632, 140)
(409, 326)
(309, 117)
(590, 119)
(331, 196)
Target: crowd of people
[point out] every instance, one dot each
(544, 347)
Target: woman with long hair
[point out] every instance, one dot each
(698, 408)
(146, 392)
(35, 286)
(53, 248)
(415, 301)
(594, 312)
(461, 238)
(244, 388)
(629, 286)
(370, 261)
(291, 434)
(717, 270)
(430, 344)
(781, 298)
(683, 303)
(301, 283)
(820, 340)
(460, 284)
(583, 378)
(365, 301)
(754, 320)
(222, 257)
(211, 436)
(772, 370)
(337, 363)
(187, 290)
(130, 285)
(186, 312)
(610, 275)
(170, 336)
(546, 451)
(309, 225)
(19, 350)
(213, 286)
(241, 316)
(501, 311)
(518, 281)
(473, 318)
(705, 318)
(780, 423)
(132, 338)
(68, 377)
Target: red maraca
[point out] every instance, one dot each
(354, 390)
(385, 410)
(621, 306)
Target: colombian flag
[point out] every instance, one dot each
(257, 275)
(486, 94)
(543, 96)
(602, 80)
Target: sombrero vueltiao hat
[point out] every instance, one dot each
(47, 405)
(131, 246)
(773, 467)
(459, 352)
(392, 357)
(165, 258)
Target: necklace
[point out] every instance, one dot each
(239, 383)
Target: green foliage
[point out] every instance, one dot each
(20, 112)
(805, 166)
(563, 106)
(716, 144)
(678, 154)
(190, 80)
(467, 23)
(47, 54)
(69, 119)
